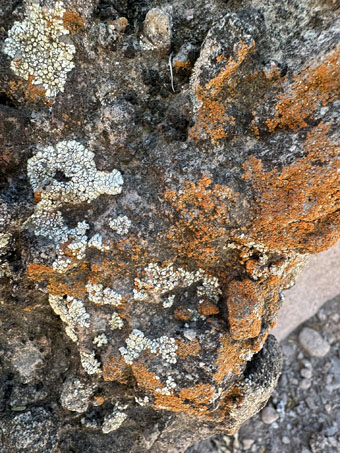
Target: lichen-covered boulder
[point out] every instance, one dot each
(165, 171)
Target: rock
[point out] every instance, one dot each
(157, 28)
(305, 384)
(285, 440)
(313, 343)
(147, 232)
(269, 415)
(306, 373)
(247, 443)
(76, 395)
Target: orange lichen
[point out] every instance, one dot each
(313, 87)
(188, 348)
(115, 369)
(207, 308)
(39, 272)
(182, 314)
(193, 400)
(299, 207)
(98, 400)
(73, 22)
(228, 359)
(179, 64)
(204, 213)
(245, 306)
(212, 117)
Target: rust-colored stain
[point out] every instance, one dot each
(298, 208)
(212, 116)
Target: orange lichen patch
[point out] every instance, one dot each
(32, 307)
(144, 378)
(245, 306)
(115, 369)
(73, 22)
(193, 400)
(39, 272)
(204, 214)
(37, 197)
(98, 400)
(182, 314)
(212, 117)
(32, 91)
(58, 288)
(120, 24)
(179, 64)
(313, 87)
(207, 308)
(228, 358)
(299, 208)
(187, 348)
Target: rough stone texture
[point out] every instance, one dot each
(211, 128)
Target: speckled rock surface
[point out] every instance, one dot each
(166, 169)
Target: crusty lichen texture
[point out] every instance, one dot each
(38, 48)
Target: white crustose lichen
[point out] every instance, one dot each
(136, 343)
(89, 362)
(40, 49)
(66, 173)
(100, 296)
(100, 340)
(158, 281)
(114, 420)
(116, 321)
(120, 224)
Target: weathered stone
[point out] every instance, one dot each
(269, 415)
(164, 172)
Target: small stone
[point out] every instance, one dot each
(322, 315)
(311, 403)
(285, 440)
(269, 415)
(306, 373)
(313, 343)
(247, 443)
(305, 384)
(157, 28)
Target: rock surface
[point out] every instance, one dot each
(166, 169)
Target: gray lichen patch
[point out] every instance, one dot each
(38, 48)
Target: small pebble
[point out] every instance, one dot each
(322, 315)
(311, 403)
(247, 443)
(328, 408)
(306, 373)
(329, 379)
(285, 440)
(313, 343)
(305, 384)
(269, 415)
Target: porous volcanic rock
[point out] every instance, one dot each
(166, 168)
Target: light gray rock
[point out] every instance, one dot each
(313, 343)
(269, 415)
